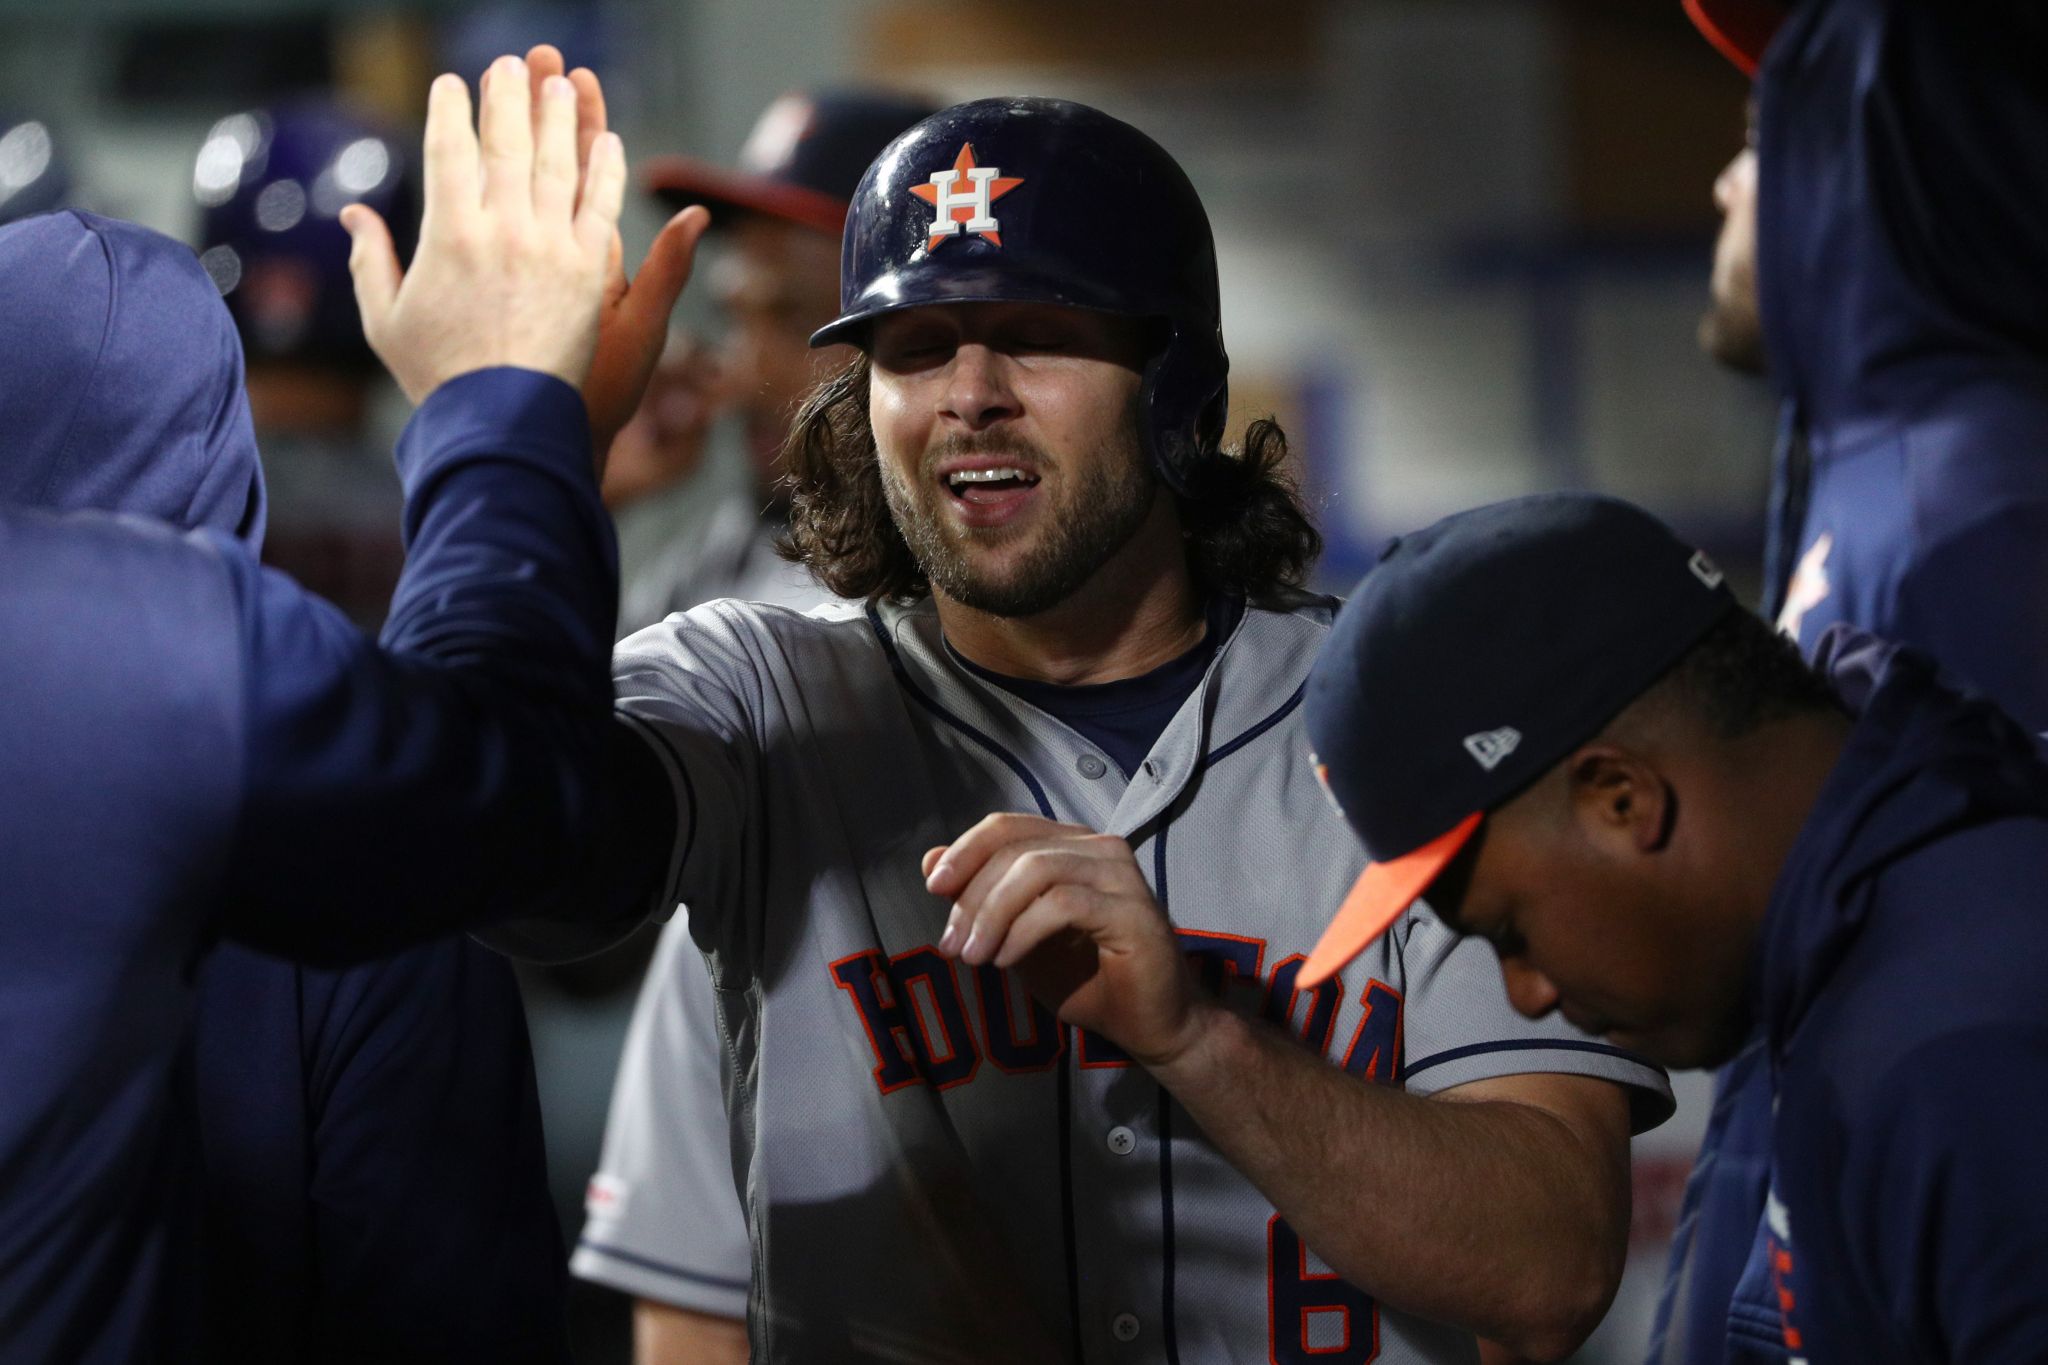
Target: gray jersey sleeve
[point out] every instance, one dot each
(689, 688)
(1460, 1026)
(664, 1219)
(694, 687)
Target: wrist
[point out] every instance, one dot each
(1193, 1046)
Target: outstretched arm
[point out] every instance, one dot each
(459, 769)
(1500, 1206)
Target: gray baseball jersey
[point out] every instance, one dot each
(933, 1168)
(664, 1221)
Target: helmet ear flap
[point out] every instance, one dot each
(1183, 403)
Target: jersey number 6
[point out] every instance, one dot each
(1316, 1318)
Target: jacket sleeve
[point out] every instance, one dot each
(457, 770)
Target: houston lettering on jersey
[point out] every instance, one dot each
(916, 1013)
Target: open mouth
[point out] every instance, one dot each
(989, 487)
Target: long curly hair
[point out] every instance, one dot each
(1252, 535)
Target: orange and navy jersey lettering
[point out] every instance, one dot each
(1033, 1045)
(1314, 1316)
(920, 1026)
(1375, 1051)
(916, 1022)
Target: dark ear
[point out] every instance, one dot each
(1618, 798)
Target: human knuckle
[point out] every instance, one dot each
(1069, 898)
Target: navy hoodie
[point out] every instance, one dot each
(192, 746)
(1898, 986)
(1902, 268)
(1902, 243)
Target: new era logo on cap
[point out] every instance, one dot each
(1491, 746)
(1557, 609)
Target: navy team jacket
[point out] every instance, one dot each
(1902, 256)
(1902, 259)
(191, 747)
(1898, 988)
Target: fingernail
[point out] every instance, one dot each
(952, 932)
(556, 87)
(973, 939)
(939, 871)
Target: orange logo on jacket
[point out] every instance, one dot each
(958, 211)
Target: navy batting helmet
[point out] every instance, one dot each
(33, 174)
(1046, 201)
(270, 184)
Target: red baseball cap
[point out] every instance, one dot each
(800, 164)
(1739, 29)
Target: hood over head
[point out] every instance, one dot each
(121, 379)
(1923, 761)
(1902, 202)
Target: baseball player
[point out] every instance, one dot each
(1875, 249)
(680, 1244)
(1694, 838)
(1876, 255)
(196, 748)
(1075, 605)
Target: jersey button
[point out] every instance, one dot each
(1124, 1327)
(1091, 767)
(1122, 1141)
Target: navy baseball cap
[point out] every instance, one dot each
(800, 164)
(1477, 654)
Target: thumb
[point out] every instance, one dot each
(373, 261)
(665, 271)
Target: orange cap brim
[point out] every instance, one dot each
(1739, 29)
(1382, 893)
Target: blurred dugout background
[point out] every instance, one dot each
(1464, 249)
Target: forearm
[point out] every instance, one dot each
(1496, 1216)
(667, 1335)
(463, 768)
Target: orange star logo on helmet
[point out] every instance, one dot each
(959, 211)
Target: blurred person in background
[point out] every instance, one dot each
(34, 175)
(1881, 262)
(774, 274)
(268, 184)
(665, 1223)
(375, 1180)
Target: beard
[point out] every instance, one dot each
(1732, 330)
(1732, 333)
(1101, 509)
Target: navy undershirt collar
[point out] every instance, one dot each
(1124, 718)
